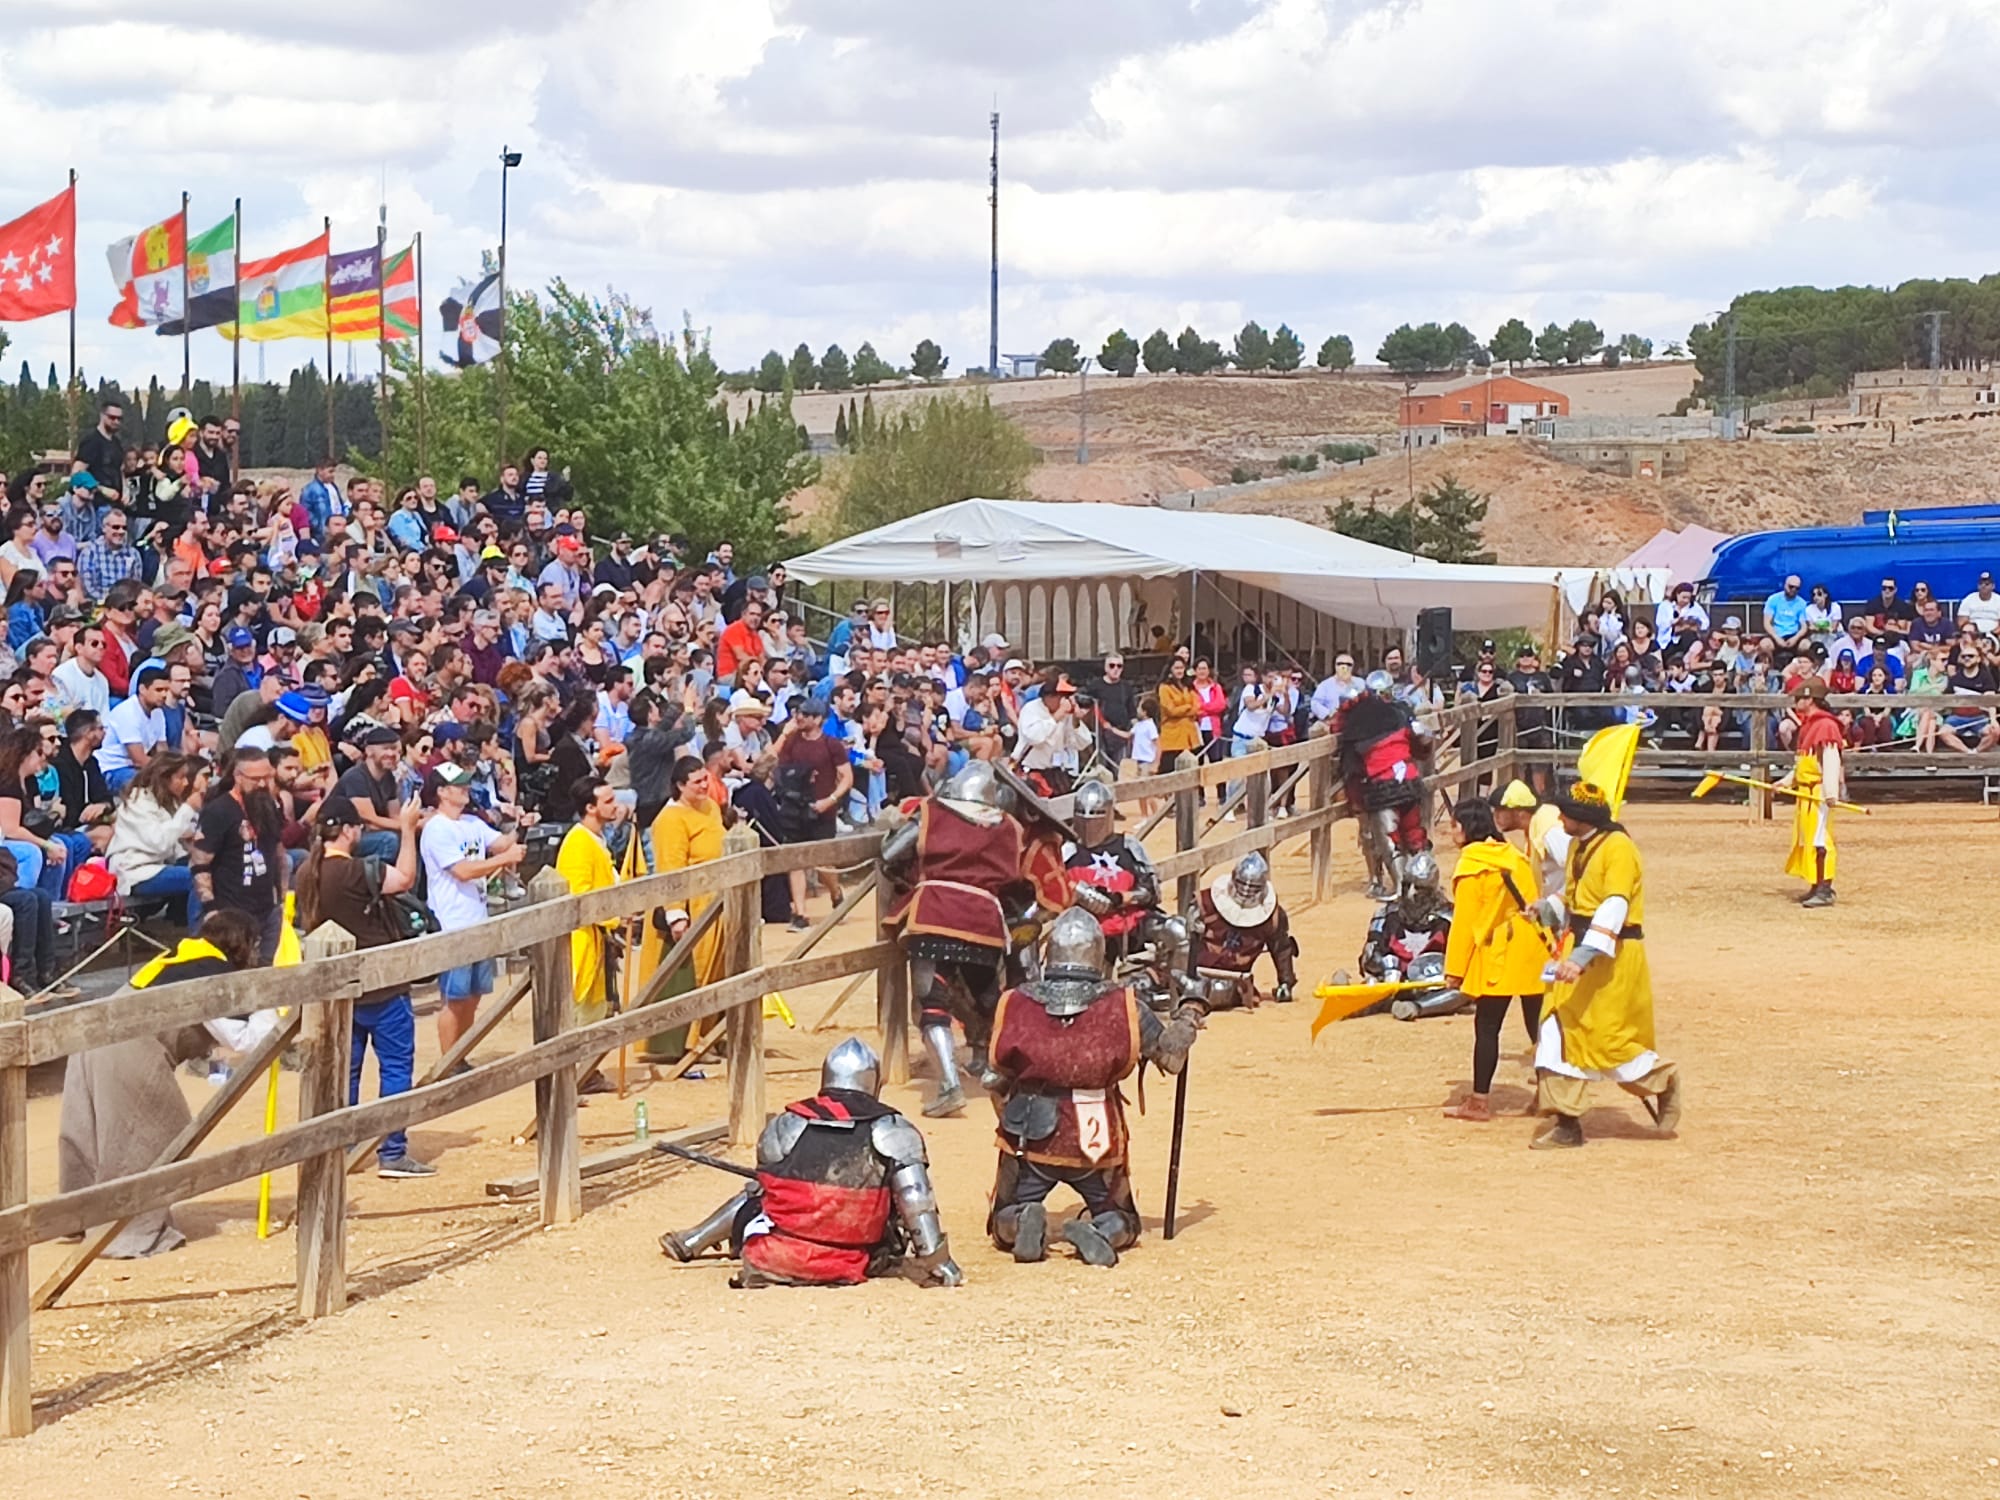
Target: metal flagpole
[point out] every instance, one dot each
(69, 400)
(187, 384)
(236, 344)
(423, 455)
(382, 325)
(326, 308)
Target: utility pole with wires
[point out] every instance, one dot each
(1931, 396)
(993, 305)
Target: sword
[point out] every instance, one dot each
(700, 1160)
(1174, 1155)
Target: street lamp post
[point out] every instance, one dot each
(508, 161)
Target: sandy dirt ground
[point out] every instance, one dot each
(1795, 1297)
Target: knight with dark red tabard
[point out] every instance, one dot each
(1061, 1046)
(1237, 921)
(843, 1192)
(950, 867)
(1383, 750)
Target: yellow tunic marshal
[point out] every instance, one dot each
(1606, 1016)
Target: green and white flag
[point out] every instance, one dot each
(211, 280)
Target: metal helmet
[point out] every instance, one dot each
(1380, 683)
(1422, 869)
(979, 783)
(1075, 947)
(1250, 880)
(1092, 813)
(852, 1065)
(1072, 965)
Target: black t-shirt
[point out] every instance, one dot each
(214, 466)
(361, 787)
(1581, 674)
(244, 862)
(105, 458)
(1977, 679)
(1117, 701)
(614, 571)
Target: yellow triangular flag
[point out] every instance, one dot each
(1606, 762)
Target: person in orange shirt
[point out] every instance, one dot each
(740, 642)
(1494, 951)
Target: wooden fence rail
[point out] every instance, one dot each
(320, 994)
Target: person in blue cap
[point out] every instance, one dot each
(240, 673)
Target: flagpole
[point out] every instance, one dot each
(326, 307)
(236, 344)
(187, 384)
(382, 326)
(423, 435)
(69, 401)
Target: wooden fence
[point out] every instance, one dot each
(332, 1137)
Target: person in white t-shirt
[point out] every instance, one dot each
(459, 852)
(134, 729)
(1981, 607)
(80, 682)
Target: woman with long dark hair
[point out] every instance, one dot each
(154, 826)
(1494, 952)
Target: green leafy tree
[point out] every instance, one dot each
(1337, 353)
(1195, 355)
(803, 371)
(1411, 350)
(1288, 352)
(1582, 339)
(771, 373)
(1612, 357)
(870, 368)
(1120, 354)
(840, 428)
(1253, 347)
(931, 453)
(1157, 352)
(1513, 343)
(1443, 523)
(1552, 345)
(835, 374)
(1675, 350)
(1062, 357)
(927, 361)
(636, 420)
(1634, 347)
(1464, 345)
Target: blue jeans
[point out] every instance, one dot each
(383, 843)
(174, 880)
(34, 950)
(392, 1025)
(118, 780)
(1237, 746)
(30, 859)
(55, 877)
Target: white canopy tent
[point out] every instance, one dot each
(992, 544)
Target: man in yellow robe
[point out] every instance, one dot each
(585, 862)
(1597, 1018)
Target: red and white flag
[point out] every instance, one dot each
(38, 260)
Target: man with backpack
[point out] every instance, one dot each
(338, 884)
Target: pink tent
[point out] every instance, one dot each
(1685, 554)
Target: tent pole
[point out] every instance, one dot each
(1194, 603)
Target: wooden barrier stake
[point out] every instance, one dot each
(742, 926)
(1319, 794)
(1187, 831)
(892, 1000)
(558, 1155)
(326, 1030)
(17, 1406)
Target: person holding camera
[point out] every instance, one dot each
(1053, 735)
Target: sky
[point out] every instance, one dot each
(787, 170)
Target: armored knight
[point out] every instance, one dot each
(1061, 1046)
(1110, 874)
(1237, 919)
(953, 866)
(843, 1192)
(1383, 748)
(1407, 939)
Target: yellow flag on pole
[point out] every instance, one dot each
(1606, 762)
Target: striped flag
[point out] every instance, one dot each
(354, 281)
(146, 269)
(211, 280)
(283, 296)
(399, 302)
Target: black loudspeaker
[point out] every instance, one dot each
(1434, 642)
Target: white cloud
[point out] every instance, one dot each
(815, 169)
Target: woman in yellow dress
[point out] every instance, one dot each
(1495, 950)
(688, 831)
(1597, 1021)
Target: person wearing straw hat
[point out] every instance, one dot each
(1237, 919)
(1597, 1018)
(1818, 778)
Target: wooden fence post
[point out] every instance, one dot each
(325, 1034)
(1257, 789)
(1319, 794)
(743, 924)
(559, 1159)
(17, 1406)
(1760, 746)
(1510, 765)
(1187, 831)
(892, 998)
